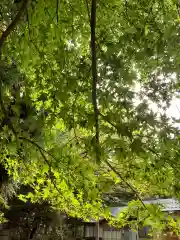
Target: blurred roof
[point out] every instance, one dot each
(168, 205)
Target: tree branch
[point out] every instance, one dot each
(39, 147)
(57, 10)
(12, 25)
(94, 76)
(41, 150)
(127, 184)
(116, 172)
(10, 125)
(87, 7)
(107, 120)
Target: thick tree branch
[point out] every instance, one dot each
(13, 24)
(94, 76)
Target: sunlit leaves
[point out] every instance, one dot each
(51, 149)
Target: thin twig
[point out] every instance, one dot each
(178, 8)
(73, 109)
(118, 174)
(94, 77)
(128, 184)
(178, 108)
(10, 125)
(57, 10)
(29, 31)
(38, 146)
(107, 120)
(13, 24)
(88, 11)
(41, 150)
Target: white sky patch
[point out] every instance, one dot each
(172, 112)
(174, 109)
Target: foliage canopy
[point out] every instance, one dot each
(72, 90)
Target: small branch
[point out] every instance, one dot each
(94, 76)
(115, 171)
(39, 147)
(88, 11)
(107, 120)
(27, 17)
(10, 125)
(6, 116)
(12, 25)
(154, 152)
(41, 150)
(73, 109)
(178, 8)
(128, 184)
(57, 10)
